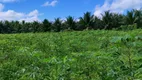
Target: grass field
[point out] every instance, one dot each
(86, 55)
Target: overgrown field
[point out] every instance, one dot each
(86, 55)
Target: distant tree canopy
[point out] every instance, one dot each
(108, 21)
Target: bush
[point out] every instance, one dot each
(128, 27)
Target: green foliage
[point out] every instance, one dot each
(57, 25)
(46, 25)
(108, 21)
(70, 23)
(87, 21)
(86, 55)
(128, 27)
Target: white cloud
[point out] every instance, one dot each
(13, 15)
(118, 6)
(1, 7)
(6, 1)
(10, 15)
(53, 3)
(33, 13)
(32, 16)
(30, 19)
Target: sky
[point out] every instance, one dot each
(38, 10)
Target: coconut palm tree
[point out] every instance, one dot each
(70, 23)
(46, 25)
(98, 23)
(134, 17)
(112, 20)
(107, 19)
(1, 27)
(17, 26)
(35, 26)
(130, 18)
(57, 25)
(7, 27)
(117, 20)
(87, 21)
(23, 27)
(138, 17)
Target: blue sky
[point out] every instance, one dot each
(31, 10)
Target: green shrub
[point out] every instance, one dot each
(128, 27)
(86, 55)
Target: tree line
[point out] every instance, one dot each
(108, 21)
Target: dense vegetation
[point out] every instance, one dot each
(86, 55)
(108, 51)
(132, 20)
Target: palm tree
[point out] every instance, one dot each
(117, 20)
(35, 26)
(23, 26)
(112, 20)
(138, 17)
(16, 26)
(87, 21)
(98, 23)
(57, 25)
(134, 17)
(7, 27)
(1, 27)
(46, 25)
(70, 23)
(107, 19)
(130, 18)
